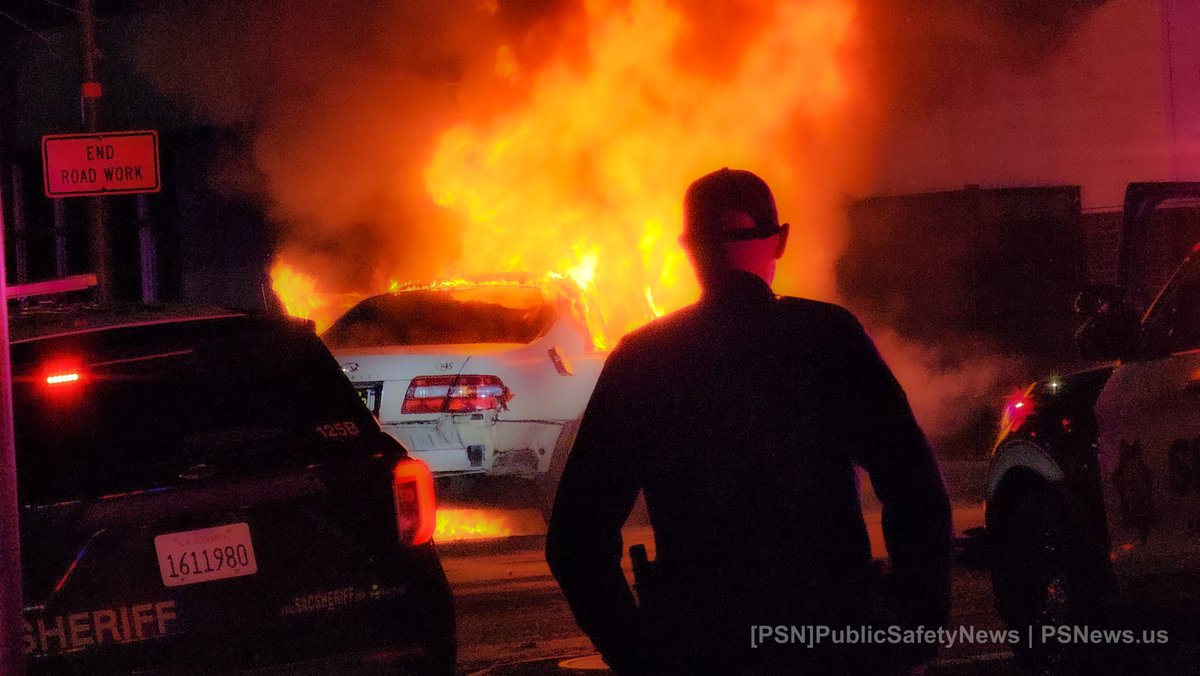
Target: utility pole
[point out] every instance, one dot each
(12, 620)
(12, 606)
(90, 93)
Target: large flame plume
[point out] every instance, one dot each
(586, 177)
(402, 140)
(594, 166)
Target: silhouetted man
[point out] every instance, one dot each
(741, 418)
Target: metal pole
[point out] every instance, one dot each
(90, 93)
(60, 238)
(12, 620)
(20, 233)
(148, 252)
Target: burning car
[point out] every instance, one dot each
(485, 376)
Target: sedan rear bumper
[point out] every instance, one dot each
(460, 445)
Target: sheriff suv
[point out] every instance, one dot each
(208, 494)
(1093, 495)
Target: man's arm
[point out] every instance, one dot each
(893, 450)
(598, 489)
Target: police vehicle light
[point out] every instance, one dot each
(62, 379)
(1016, 411)
(61, 375)
(416, 509)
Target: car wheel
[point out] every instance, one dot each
(1038, 576)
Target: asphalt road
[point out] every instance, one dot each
(513, 619)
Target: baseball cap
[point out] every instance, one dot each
(713, 197)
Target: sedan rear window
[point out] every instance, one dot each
(452, 316)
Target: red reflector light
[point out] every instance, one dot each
(62, 379)
(455, 394)
(1017, 411)
(416, 508)
(62, 376)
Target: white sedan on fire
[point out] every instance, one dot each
(476, 376)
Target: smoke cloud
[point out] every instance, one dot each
(341, 107)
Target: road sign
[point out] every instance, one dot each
(105, 163)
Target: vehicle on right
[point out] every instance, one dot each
(1093, 492)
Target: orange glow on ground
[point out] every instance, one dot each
(456, 524)
(585, 178)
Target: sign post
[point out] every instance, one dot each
(90, 92)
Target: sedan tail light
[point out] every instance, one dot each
(416, 509)
(455, 394)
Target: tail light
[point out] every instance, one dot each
(416, 509)
(1016, 411)
(455, 394)
(62, 377)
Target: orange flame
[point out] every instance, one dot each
(585, 179)
(300, 297)
(591, 172)
(297, 291)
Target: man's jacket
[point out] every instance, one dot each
(742, 419)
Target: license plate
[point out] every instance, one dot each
(369, 393)
(192, 556)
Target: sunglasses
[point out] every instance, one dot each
(739, 235)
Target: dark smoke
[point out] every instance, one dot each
(927, 51)
(339, 106)
(971, 291)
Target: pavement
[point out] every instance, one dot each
(514, 620)
(517, 563)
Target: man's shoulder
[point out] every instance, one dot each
(659, 330)
(805, 313)
(815, 311)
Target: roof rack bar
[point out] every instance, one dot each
(51, 286)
